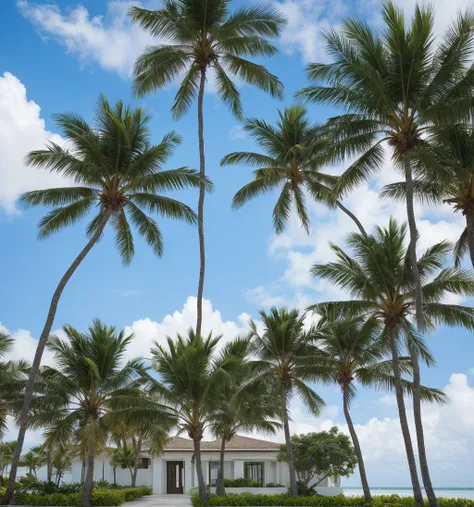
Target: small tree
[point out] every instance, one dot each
(319, 455)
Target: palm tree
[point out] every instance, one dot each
(61, 459)
(6, 455)
(204, 36)
(12, 378)
(92, 381)
(446, 174)
(240, 407)
(286, 363)
(33, 459)
(149, 422)
(351, 352)
(377, 276)
(192, 376)
(294, 152)
(118, 173)
(393, 86)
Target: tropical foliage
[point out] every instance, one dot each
(400, 91)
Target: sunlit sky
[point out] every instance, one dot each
(58, 57)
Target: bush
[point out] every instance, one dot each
(241, 483)
(100, 497)
(284, 500)
(108, 497)
(132, 493)
(56, 499)
(273, 485)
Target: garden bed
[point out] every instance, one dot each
(284, 500)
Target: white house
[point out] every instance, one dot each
(174, 472)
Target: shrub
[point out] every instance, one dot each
(273, 485)
(241, 483)
(102, 484)
(56, 499)
(284, 500)
(108, 497)
(132, 493)
(72, 487)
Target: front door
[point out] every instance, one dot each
(174, 477)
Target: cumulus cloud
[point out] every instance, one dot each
(147, 331)
(301, 251)
(110, 40)
(24, 345)
(307, 19)
(21, 130)
(449, 436)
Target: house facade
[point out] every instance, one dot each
(174, 471)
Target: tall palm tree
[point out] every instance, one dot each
(205, 36)
(240, 406)
(393, 85)
(286, 362)
(118, 175)
(376, 274)
(192, 375)
(13, 375)
(446, 174)
(92, 381)
(352, 353)
(295, 150)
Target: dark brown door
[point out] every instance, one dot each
(174, 477)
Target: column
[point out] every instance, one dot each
(238, 469)
(157, 471)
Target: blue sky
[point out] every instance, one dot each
(58, 57)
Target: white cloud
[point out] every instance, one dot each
(301, 251)
(147, 331)
(110, 40)
(21, 130)
(237, 132)
(24, 346)
(306, 20)
(449, 436)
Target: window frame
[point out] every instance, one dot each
(255, 464)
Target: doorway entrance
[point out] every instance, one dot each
(174, 477)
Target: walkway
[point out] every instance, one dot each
(156, 500)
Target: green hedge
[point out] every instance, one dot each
(100, 497)
(241, 483)
(284, 500)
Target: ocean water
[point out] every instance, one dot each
(441, 492)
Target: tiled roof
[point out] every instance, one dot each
(237, 443)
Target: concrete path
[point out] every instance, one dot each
(157, 500)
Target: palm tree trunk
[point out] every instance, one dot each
(413, 240)
(88, 485)
(353, 217)
(404, 421)
(470, 232)
(49, 466)
(220, 488)
(8, 499)
(425, 471)
(202, 174)
(289, 445)
(137, 457)
(199, 471)
(355, 442)
(115, 476)
(83, 470)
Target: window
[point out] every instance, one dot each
(143, 463)
(213, 472)
(254, 471)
